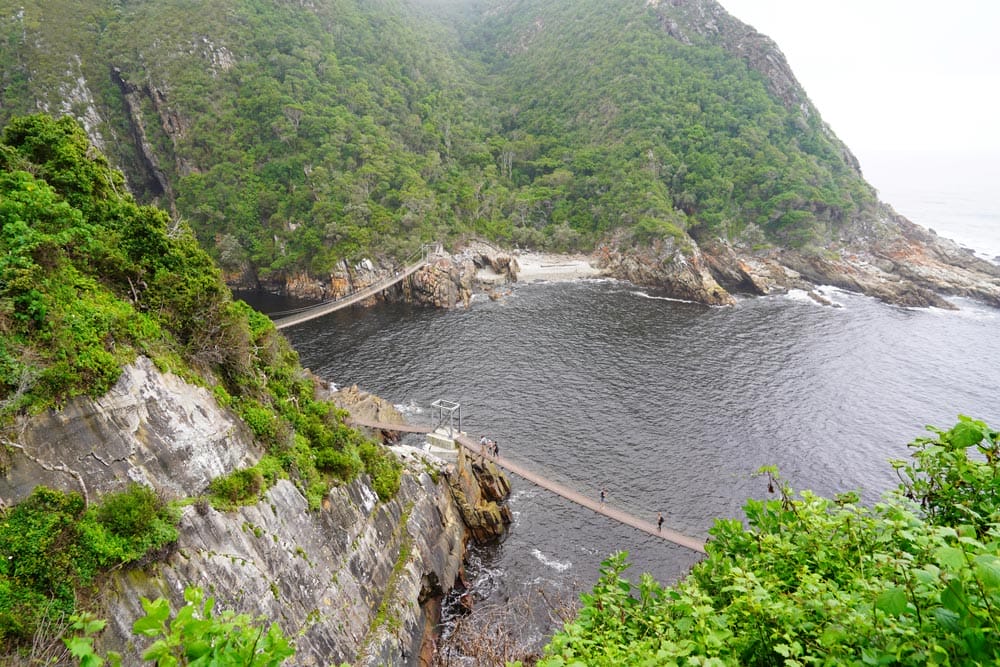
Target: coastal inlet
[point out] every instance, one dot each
(670, 406)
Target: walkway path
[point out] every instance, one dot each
(326, 307)
(555, 487)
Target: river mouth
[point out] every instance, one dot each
(672, 407)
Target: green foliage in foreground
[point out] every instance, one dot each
(52, 548)
(914, 580)
(194, 636)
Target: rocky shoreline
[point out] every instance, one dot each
(909, 266)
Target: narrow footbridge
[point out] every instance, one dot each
(521, 471)
(290, 318)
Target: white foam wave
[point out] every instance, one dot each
(801, 296)
(522, 493)
(967, 309)
(410, 408)
(827, 292)
(551, 562)
(644, 295)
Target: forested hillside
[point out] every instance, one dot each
(291, 135)
(89, 281)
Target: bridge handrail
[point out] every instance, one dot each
(412, 261)
(623, 512)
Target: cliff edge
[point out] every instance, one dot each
(356, 581)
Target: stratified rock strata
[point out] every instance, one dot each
(358, 580)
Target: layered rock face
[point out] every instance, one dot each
(443, 283)
(664, 266)
(151, 428)
(900, 263)
(356, 581)
(479, 488)
(347, 582)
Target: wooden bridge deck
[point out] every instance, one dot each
(327, 307)
(580, 499)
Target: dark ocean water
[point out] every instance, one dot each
(671, 406)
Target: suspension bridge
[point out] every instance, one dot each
(290, 318)
(600, 507)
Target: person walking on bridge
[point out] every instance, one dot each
(659, 521)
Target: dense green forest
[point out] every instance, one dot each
(291, 136)
(89, 279)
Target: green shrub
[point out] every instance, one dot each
(131, 512)
(345, 464)
(51, 547)
(814, 581)
(240, 487)
(196, 635)
(261, 420)
(384, 468)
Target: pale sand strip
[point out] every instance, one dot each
(536, 267)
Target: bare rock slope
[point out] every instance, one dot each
(355, 581)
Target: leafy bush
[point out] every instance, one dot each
(384, 469)
(198, 636)
(815, 581)
(955, 478)
(51, 546)
(239, 487)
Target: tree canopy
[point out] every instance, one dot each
(291, 136)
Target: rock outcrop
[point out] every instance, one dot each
(682, 273)
(152, 428)
(902, 264)
(358, 580)
(443, 283)
(479, 488)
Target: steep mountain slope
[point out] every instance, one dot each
(154, 433)
(652, 116)
(293, 136)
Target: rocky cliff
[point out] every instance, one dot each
(356, 581)
(911, 267)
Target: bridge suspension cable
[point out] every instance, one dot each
(603, 508)
(288, 318)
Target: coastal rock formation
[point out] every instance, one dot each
(366, 407)
(900, 263)
(500, 265)
(479, 487)
(665, 266)
(152, 428)
(346, 582)
(443, 283)
(359, 580)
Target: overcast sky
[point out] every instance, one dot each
(892, 75)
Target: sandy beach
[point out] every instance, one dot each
(536, 267)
